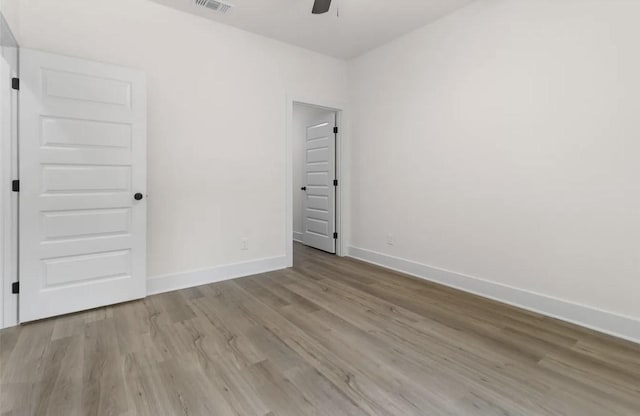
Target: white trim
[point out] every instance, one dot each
(299, 237)
(184, 280)
(9, 199)
(5, 175)
(342, 148)
(607, 322)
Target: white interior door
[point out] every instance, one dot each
(82, 156)
(320, 192)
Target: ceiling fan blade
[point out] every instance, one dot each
(321, 6)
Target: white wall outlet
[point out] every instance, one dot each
(390, 240)
(244, 244)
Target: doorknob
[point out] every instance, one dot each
(138, 196)
(304, 188)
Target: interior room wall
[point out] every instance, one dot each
(10, 9)
(497, 150)
(216, 121)
(303, 117)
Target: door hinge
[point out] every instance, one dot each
(15, 185)
(335, 182)
(335, 236)
(335, 130)
(15, 288)
(15, 83)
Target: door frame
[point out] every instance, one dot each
(342, 171)
(9, 199)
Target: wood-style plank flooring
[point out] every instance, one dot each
(329, 337)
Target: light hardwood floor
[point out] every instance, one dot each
(329, 337)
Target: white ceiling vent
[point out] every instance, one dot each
(215, 5)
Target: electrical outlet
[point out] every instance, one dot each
(390, 240)
(244, 244)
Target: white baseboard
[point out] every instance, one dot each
(299, 237)
(184, 280)
(592, 318)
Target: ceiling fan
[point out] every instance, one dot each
(321, 6)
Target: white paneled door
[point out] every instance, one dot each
(82, 185)
(319, 174)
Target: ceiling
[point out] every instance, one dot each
(361, 25)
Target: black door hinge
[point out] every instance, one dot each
(15, 288)
(15, 185)
(335, 130)
(335, 236)
(15, 83)
(335, 182)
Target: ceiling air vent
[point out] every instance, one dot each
(215, 5)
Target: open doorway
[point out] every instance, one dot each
(314, 144)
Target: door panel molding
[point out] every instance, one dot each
(319, 208)
(82, 159)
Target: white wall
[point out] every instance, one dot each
(303, 117)
(503, 143)
(10, 9)
(217, 120)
